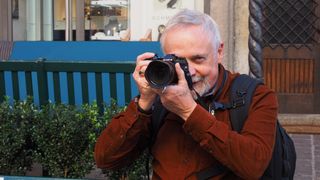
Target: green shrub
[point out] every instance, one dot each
(16, 145)
(60, 137)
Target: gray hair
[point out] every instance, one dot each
(191, 17)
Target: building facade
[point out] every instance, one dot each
(126, 20)
(71, 20)
(282, 36)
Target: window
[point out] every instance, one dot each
(108, 19)
(289, 22)
(56, 20)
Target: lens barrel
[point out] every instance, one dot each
(161, 73)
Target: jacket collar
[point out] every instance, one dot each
(216, 90)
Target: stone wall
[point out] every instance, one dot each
(232, 18)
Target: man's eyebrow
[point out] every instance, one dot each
(197, 56)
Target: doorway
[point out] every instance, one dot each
(291, 53)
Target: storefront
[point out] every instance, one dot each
(78, 20)
(95, 30)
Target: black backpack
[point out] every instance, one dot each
(283, 161)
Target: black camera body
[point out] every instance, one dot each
(161, 72)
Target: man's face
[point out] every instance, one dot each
(192, 43)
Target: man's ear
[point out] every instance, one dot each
(220, 52)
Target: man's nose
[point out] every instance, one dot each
(192, 70)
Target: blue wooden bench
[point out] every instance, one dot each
(68, 82)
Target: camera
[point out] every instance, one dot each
(161, 72)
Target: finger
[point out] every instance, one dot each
(141, 63)
(180, 74)
(144, 56)
(142, 71)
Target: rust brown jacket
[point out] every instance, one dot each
(184, 148)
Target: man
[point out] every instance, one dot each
(192, 139)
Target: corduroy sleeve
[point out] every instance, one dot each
(123, 139)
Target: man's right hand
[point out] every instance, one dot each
(147, 95)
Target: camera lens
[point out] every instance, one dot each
(160, 74)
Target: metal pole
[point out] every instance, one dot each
(68, 32)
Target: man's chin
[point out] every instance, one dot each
(198, 90)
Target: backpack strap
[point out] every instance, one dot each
(242, 90)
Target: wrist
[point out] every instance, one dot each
(187, 113)
(143, 106)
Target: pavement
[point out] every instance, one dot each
(308, 156)
(305, 132)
